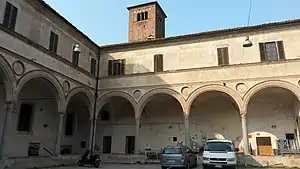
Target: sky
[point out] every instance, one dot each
(106, 21)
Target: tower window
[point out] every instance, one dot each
(142, 16)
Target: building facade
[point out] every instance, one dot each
(153, 91)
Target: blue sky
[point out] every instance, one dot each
(106, 21)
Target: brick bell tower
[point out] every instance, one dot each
(146, 22)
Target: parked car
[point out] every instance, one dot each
(219, 154)
(178, 156)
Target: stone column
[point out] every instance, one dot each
(245, 133)
(297, 131)
(9, 109)
(92, 134)
(59, 134)
(187, 135)
(137, 134)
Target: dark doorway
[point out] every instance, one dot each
(130, 144)
(106, 144)
(25, 118)
(69, 124)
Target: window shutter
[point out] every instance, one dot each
(7, 14)
(123, 62)
(155, 62)
(56, 43)
(160, 63)
(51, 41)
(13, 18)
(262, 51)
(280, 49)
(226, 56)
(220, 56)
(110, 67)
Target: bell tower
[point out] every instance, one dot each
(146, 22)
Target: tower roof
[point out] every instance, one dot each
(146, 4)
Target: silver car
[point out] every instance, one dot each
(178, 156)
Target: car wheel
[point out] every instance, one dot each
(163, 167)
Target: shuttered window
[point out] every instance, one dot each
(93, 66)
(272, 51)
(158, 63)
(75, 57)
(116, 67)
(10, 16)
(223, 56)
(53, 42)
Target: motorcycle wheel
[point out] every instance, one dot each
(80, 163)
(97, 164)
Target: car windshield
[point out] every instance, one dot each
(172, 150)
(218, 146)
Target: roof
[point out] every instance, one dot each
(148, 3)
(44, 4)
(216, 140)
(202, 35)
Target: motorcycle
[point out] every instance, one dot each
(93, 160)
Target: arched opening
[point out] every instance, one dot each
(115, 131)
(214, 115)
(77, 125)
(36, 119)
(162, 123)
(271, 121)
(3, 98)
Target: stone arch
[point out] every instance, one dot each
(85, 91)
(147, 96)
(218, 88)
(266, 84)
(103, 99)
(47, 76)
(9, 78)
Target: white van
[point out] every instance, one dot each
(219, 154)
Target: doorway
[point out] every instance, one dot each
(264, 146)
(106, 149)
(130, 144)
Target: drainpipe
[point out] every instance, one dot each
(95, 103)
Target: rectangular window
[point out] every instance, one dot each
(53, 42)
(272, 51)
(93, 66)
(75, 57)
(116, 67)
(10, 16)
(69, 128)
(158, 63)
(223, 56)
(25, 118)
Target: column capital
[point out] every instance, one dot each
(186, 116)
(243, 114)
(10, 105)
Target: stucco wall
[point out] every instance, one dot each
(202, 52)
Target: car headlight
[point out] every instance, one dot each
(231, 159)
(205, 158)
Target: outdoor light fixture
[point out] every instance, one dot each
(76, 48)
(247, 42)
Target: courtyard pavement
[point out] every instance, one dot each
(127, 166)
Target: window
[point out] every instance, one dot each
(116, 67)
(69, 124)
(105, 116)
(93, 66)
(75, 57)
(142, 16)
(106, 147)
(10, 16)
(223, 58)
(272, 51)
(158, 63)
(25, 118)
(53, 42)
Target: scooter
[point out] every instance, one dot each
(93, 160)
